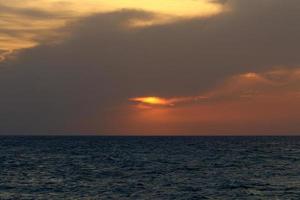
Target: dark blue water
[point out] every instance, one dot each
(150, 168)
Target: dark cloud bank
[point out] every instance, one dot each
(102, 63)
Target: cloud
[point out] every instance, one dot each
(24, 24)
(276, 83)
(26, 12)
(102, 63)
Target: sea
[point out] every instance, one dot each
(95, 167)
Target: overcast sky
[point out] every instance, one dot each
(223, 67)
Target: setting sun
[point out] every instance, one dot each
(152, 100)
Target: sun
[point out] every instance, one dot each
(152, 100)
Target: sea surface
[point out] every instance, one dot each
(149, 168)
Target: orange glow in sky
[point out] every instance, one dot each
(152, 101)
(251, 75)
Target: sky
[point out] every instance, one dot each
(150, 67)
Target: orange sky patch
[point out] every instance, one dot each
(246, 103)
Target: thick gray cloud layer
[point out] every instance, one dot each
(102, 63)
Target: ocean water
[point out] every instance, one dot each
(150, 168)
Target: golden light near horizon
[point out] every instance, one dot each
(251, 75)
(24, 23)
(242, 98)
(152, 101)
